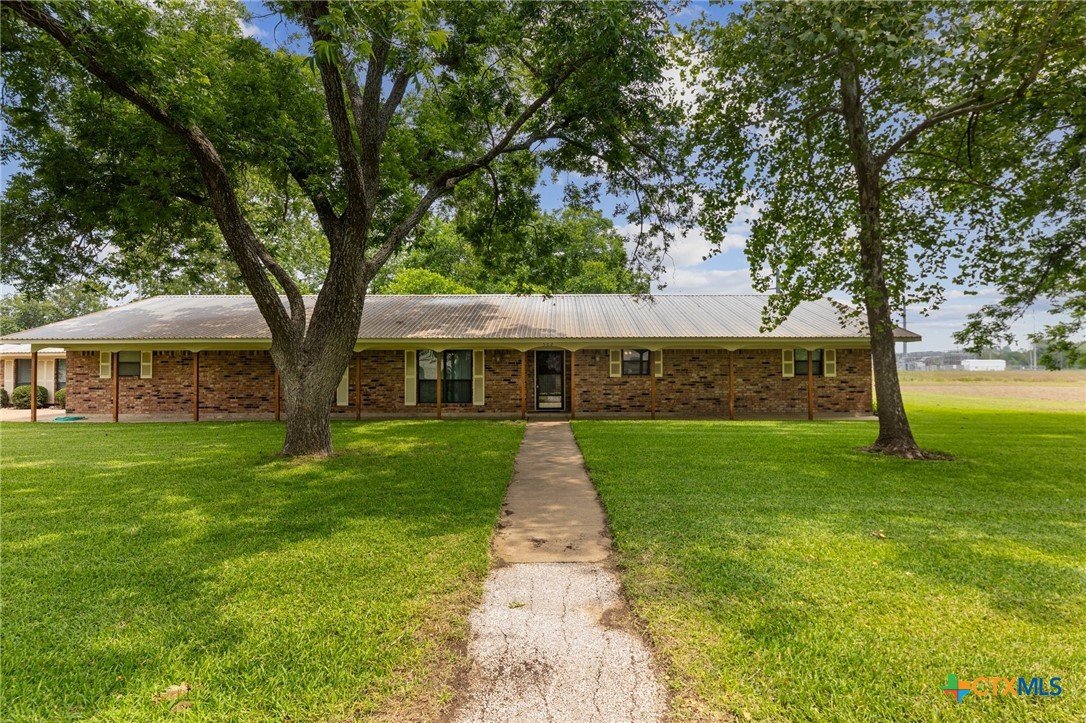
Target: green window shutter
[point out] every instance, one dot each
(342, 390)
(829, 362)
(788, 363)
(410, 374)
(478, 377)
(146, 362)
(658, 362)
(616, 362)
(105, 365)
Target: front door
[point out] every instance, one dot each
(550, 379)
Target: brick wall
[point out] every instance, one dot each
(597, 392)
(851, 390)
(383, 386)
(760, 388)
(231, 382)
(235, 382)
(694, 384)
(87, 394)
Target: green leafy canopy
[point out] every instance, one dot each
(975, 112)
(105, 192)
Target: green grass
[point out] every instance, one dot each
(784, 575)
(136, 557)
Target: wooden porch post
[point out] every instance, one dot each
(357, 387)
(196, 386)
(572, 385)
(277, 394)
(810, 385)
(116, 386)
(731, 384)
(652, 384)
(523, 385)
(33, 386)
(440, 373)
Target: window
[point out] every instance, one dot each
(456, 380)
(801, 362)
(128, 363)
(62, 374)
(635, 363)
(427, 377)
(455, 376)
(22, 372)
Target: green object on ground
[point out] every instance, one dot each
(142, 556)
(785, 574)
(69, 418)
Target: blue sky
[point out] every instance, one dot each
(727, 272)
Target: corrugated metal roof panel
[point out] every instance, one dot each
(417, 318)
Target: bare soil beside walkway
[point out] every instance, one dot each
(552, 639)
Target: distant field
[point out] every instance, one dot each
(1062, 378)
(1063, 391)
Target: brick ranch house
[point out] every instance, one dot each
(15, 370)
(478, 355)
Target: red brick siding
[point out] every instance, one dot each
(383, 386)
(233, 382)
(851, 390)
(598, 392)
(87, 394)
(760, 388)
(695, 383)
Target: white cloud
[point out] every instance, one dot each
(693, 247)
(685, 250)
(249, 30)
(693, 280)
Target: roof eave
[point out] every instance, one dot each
(526, 343)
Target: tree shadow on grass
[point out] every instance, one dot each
(781, 547)
(135, 563)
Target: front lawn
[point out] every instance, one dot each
(137, 557)
(783, 575)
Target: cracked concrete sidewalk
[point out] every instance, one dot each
(552, 639)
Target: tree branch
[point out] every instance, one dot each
(954, 181)
(395, 97)
(326, 214)
(821, 111)
(446, 181)
(246, 249)
(332, 82)
(193, 198)
(976, 104)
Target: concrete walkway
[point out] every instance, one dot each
(552, 639)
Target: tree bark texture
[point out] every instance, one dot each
(895, 434)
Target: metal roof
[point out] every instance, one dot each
(470, 317)
(13, 350)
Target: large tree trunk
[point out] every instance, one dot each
(311, 368)
(309, 430)
(895, 434)
(308, 393)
